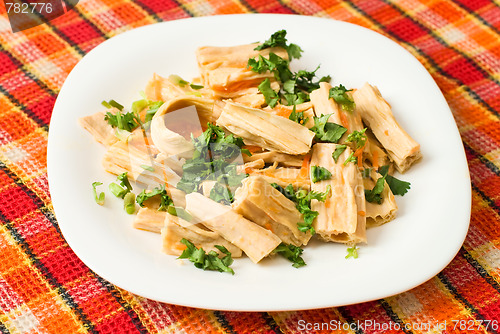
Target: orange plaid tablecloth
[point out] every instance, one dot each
(45, 288)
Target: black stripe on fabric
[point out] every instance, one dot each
(101, 33)
(58, 32)
(442, 277)
(47, 275)
(65, 38)
(34, 197)
(183, 7)
(25, 109)
(60, 289)
(249, 8)
(283, 4)
(22, 68)
(490, 165)
(441, 41)
(134, 317)
(271, 322)
(148, 10)
(345, 314)
(477, 16)
(26, 248)
(480, 270)
(394, 317)
(3, 329)
(490, 202)
(221, 318)
(429, 59)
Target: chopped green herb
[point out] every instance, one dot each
(149, 168)
(106, 104)
(112, 104)
(319, 173)
(212, 160)
(305, 80)
(294, 87)
(139, 105)
(278, 39)
(357, 137)
(179, 212)
(302, 199)
(99, 199)
(124, 182)
(292, 253)
(397, 186)
(338, 151)
(339, 94)
(117, 190)
(352, 252)
(196, 87)
(123, 121)
(165, 200)
(153, 108)
(221, 194)
(351, 158)
(270, 95)
(129, 203)
(374, 195)
(298, 117)
(210, 261)
(325, 131)
(177, 80)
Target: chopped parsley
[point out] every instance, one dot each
(326, 131)
(397, 186)
(338, 151)
(292, 253)
(298, 117)
(294, 87)
(99, 198)
(123, 121)
(165, 200)
(351, 158)
(222, 194)
(270, 95)
(358, 138)
(319, 173)
(374, 195)
(212, 160)
(278, 39)
(302, 199)
(352, 252)
(210, 261)
(339, 94)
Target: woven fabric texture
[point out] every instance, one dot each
(45, 288)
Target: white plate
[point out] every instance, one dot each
(432, 221)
